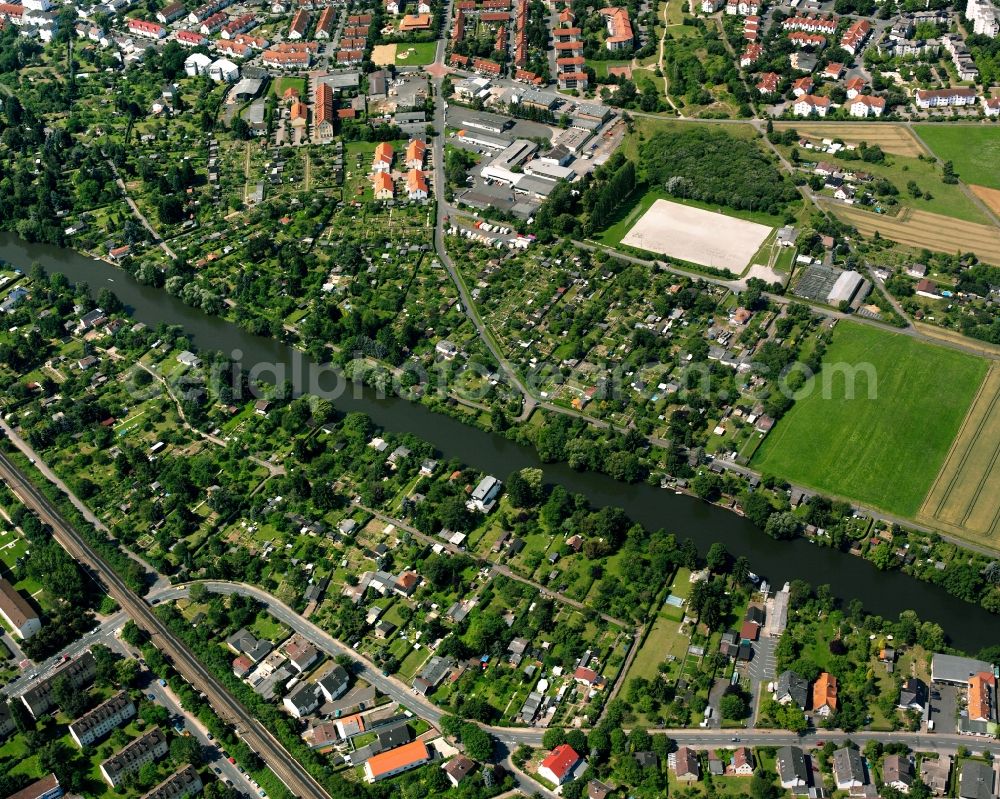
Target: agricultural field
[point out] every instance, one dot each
(921, 229)
(702, 237)
(885, 444)
(893, 139)
(974, 150)
(962, 499)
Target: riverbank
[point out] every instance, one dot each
(887, 593)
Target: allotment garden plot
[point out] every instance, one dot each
(697, 236)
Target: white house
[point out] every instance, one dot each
(484, 496)
(808, 103)
(16, 612)
(197, 64)
(866, 104)
(222, 70)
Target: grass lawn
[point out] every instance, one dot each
(884, 450)
(280, 85)
(415, 54)
(601, 67)
(974, 150)
(644, 127)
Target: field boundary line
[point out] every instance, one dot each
(986, 386)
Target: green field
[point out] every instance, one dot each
(281, 85)
(974, 150)
(885, 451)
(410, 54)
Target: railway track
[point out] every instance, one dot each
(253, 733)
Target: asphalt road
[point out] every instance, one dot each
(277, 758)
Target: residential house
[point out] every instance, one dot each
(147, 748)
(100, 721)
(432, 674)
(396, 761)
(458, 768)
(751, 53)
(848, 769)
(686, 765)
(825, 694)
(809, 104)
(791, 764)
(897, 772)
(146, 29)
(382, 161)
(802, 86)
(300, 653)
(334, 683)
(864, 105)
(485, 495)
(620, 34)
(942, 98)
(45, 788)
(38, 699)
(791, 688)
(182, 783)
(768, 83)
(302, 700)
(976, 780)
(416, 185)
(855, 36)
(16, 612)
(982, 697)
(742, 762)
(416, 151)
(382, 186)
(300, 24)
(558, 766)
(243, 642)
(913, 695)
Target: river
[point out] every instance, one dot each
(885, 593)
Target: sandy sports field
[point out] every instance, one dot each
(384, 55)
(922, 229)
(894, 139)
(697, 236)
(963, 498)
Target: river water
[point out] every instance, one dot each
(887, 593)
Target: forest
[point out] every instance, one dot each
(714, 167)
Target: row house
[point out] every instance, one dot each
(768, 83)
(864, 105)
(145, 749)
(384, 155)
(943, 98)
(94, 34)
(501, 40)
(202, 13)
(300, 24)
(233, 48)
(347, 57)
(751, 28)
(359, 19)
(824, 25)
(237, 26)
(751, 54)
(353, 43)
(458, 29)
(484, 66)
(12, 12)
(521, 33)
(182, 783)
(170, 12)
(323, 113)
(325, 25)
(574, 79)
(213, 23)
(497, 5)
(100, 721)
(255, 42)
(620, 33)
(494, 16)
(297, 47)
(526, 76)
(808, 104)
(566, 34)
(742, 7)
(854, 37)
(382, 186)
(285, 60)
(984, 16)
(813, 41)
(458, 61)
(961, 57)
(190, 38)
(146, 29)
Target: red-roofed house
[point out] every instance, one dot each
(559, 765)
(146, 29)
(382, 186)
(751, 54)
(854, 87)
(768, 83)
(864, 105)
(855, 36)
(808, 103)
(802, 86)
(383, 157)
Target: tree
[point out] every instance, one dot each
(477, 742)
(553, 737)
(186, 749)
(783, 526)
(733, 707)
(717, 558)
(197, 592)
(708, 486)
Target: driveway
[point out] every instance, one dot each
(760, 672)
